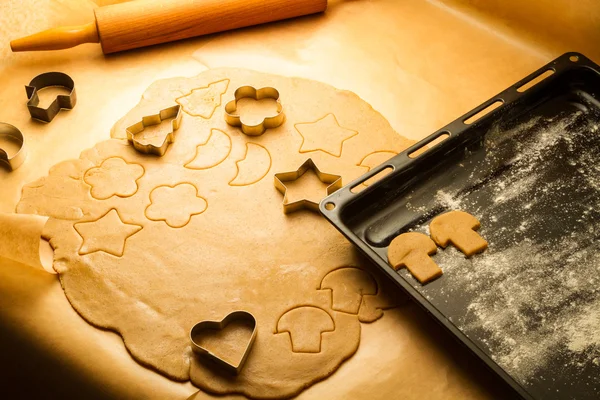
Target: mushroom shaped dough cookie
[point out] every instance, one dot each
(458, 228)
(412, 250)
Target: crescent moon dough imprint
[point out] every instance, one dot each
(376, 158)
(211, 153)
(253, 167)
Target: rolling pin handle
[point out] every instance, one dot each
(57, 38)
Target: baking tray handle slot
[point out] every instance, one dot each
(370, 181)
(482, 112)
(428, 144)
(535, 80)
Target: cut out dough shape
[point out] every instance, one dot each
(176, 205)
(202, 102)
(348, 286)
(114, 177)
(213, 152)
(253, 167)
(458, 227)
(305, 325)
(373, 160)
(241, 253)
(325, 134)
(412, 250)
(108, 234)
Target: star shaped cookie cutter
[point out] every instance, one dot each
(62, 101)
(234, 119)
(173, 112)
(14, 135)
(334, 181)
(219, 325)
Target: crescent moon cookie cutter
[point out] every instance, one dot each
(233, 118)
(50, 79)
(203, 326)
(12, 134)
(143, 146)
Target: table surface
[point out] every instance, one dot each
(420, 63)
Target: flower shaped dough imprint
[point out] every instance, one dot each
(114, 177)
(176, 205)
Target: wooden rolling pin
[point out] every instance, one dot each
(142, 23)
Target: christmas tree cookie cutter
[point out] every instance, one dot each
(233, 118)
(143, 146)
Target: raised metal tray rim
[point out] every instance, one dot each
(344, 197)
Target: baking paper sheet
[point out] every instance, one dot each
(420, 63)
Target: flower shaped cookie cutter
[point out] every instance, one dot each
(234, 119)
(143, 146)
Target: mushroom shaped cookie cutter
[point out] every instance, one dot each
(173, 113)
(12, 134)
(219, 325)
(334, 181)
(234, 119)
(49, 79)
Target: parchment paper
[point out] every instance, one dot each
(420, 63)
(21, 240)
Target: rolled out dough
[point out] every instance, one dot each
(147, 246)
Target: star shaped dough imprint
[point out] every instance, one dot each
(108, 234)
(300, 199)
(325, 134)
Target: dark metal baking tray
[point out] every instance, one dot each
(529, 306)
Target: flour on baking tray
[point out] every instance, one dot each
(531, 298)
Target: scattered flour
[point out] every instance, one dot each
(533, 298)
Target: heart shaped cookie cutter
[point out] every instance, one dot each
(10, 133)
(219, 325)
(234, 119)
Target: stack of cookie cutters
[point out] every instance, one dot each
(10, 133)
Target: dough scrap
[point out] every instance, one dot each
(458, 227)
(233, 249)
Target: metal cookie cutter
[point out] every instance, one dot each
(219, 325)
(334, 181)
(12, 134)
(234, 119)
(62, 101)
(173, 112)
